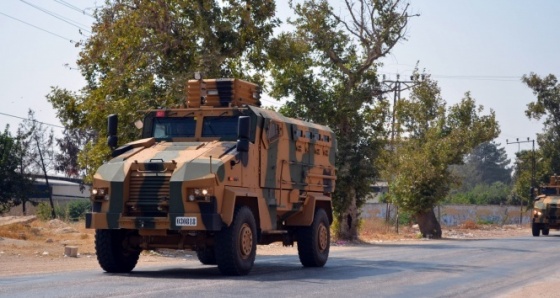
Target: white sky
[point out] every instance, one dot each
(467, 45)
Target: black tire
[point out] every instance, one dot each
(207, 256)
(113, 252)
(236, 245)
(545, 231)
(536, 229)
(314, 242)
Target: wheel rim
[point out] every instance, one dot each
(246, 243)
(323, 238)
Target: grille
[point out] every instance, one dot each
(148, 195)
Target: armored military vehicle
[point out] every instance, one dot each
(218, 177)
(546, 209)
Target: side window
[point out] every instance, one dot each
(273, 132)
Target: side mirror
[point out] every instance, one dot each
(242, 145)
(244, 127)
(112, 124)
(243, 134)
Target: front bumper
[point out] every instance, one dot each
(199, 222)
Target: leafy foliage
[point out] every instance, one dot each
(72, 211)
(482, 194)
(13, 184)
(327, 68)
(486, 164)
(547, 106)
(436, 137)
(140, 55)
(484, 178)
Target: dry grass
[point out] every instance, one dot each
(39, 230)
(376, 229)
(470, 225)
(46, 235)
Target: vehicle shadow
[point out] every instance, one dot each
(288, 268)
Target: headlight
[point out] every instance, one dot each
(100, 193)
(199, 194)
(536, 212)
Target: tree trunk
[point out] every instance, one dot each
(428, 224)
(24, 210)
(348, 221)
(53, 214)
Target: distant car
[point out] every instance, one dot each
(546, 208)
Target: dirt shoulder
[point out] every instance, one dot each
(31, 246)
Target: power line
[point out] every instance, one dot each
(62, 18)
(48, 124)
(472, 77)
(73, 7)
(52, 33)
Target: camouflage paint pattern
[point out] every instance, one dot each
(546, 209)
(155, 185)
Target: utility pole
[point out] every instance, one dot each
(397, 86)
(533, 169)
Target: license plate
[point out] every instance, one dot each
(185, 221)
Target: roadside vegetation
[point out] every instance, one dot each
(324, 65)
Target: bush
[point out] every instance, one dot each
(44, 211)
(76, 210)
(73, 211)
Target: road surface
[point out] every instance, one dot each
(430, 268)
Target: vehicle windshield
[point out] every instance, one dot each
(222, 127)
(174, 127)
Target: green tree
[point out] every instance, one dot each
(484, 178)
(435, 137)
(38, 154)
(547, 106)
(326, 67)
(141, 53)
(14, 186)
(486, 164)
(525, 178)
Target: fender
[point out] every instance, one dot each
(305, 217)
(234, 196)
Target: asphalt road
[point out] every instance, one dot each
(431, 268)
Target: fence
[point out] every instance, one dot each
(452, 215)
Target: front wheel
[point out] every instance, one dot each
(114, 252)
(313, 242)
(545, 231)
(236, 245)
(536, 229)
(206, 256)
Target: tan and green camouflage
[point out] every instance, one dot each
(546, 209)
(183, 181)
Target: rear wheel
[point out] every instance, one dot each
(545, 231)
(115, 254)
(207, 256)
(313, 242)
(536, 229)
(237, 244)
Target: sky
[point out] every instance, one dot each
(477, 46)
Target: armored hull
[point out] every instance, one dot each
(204, 177)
